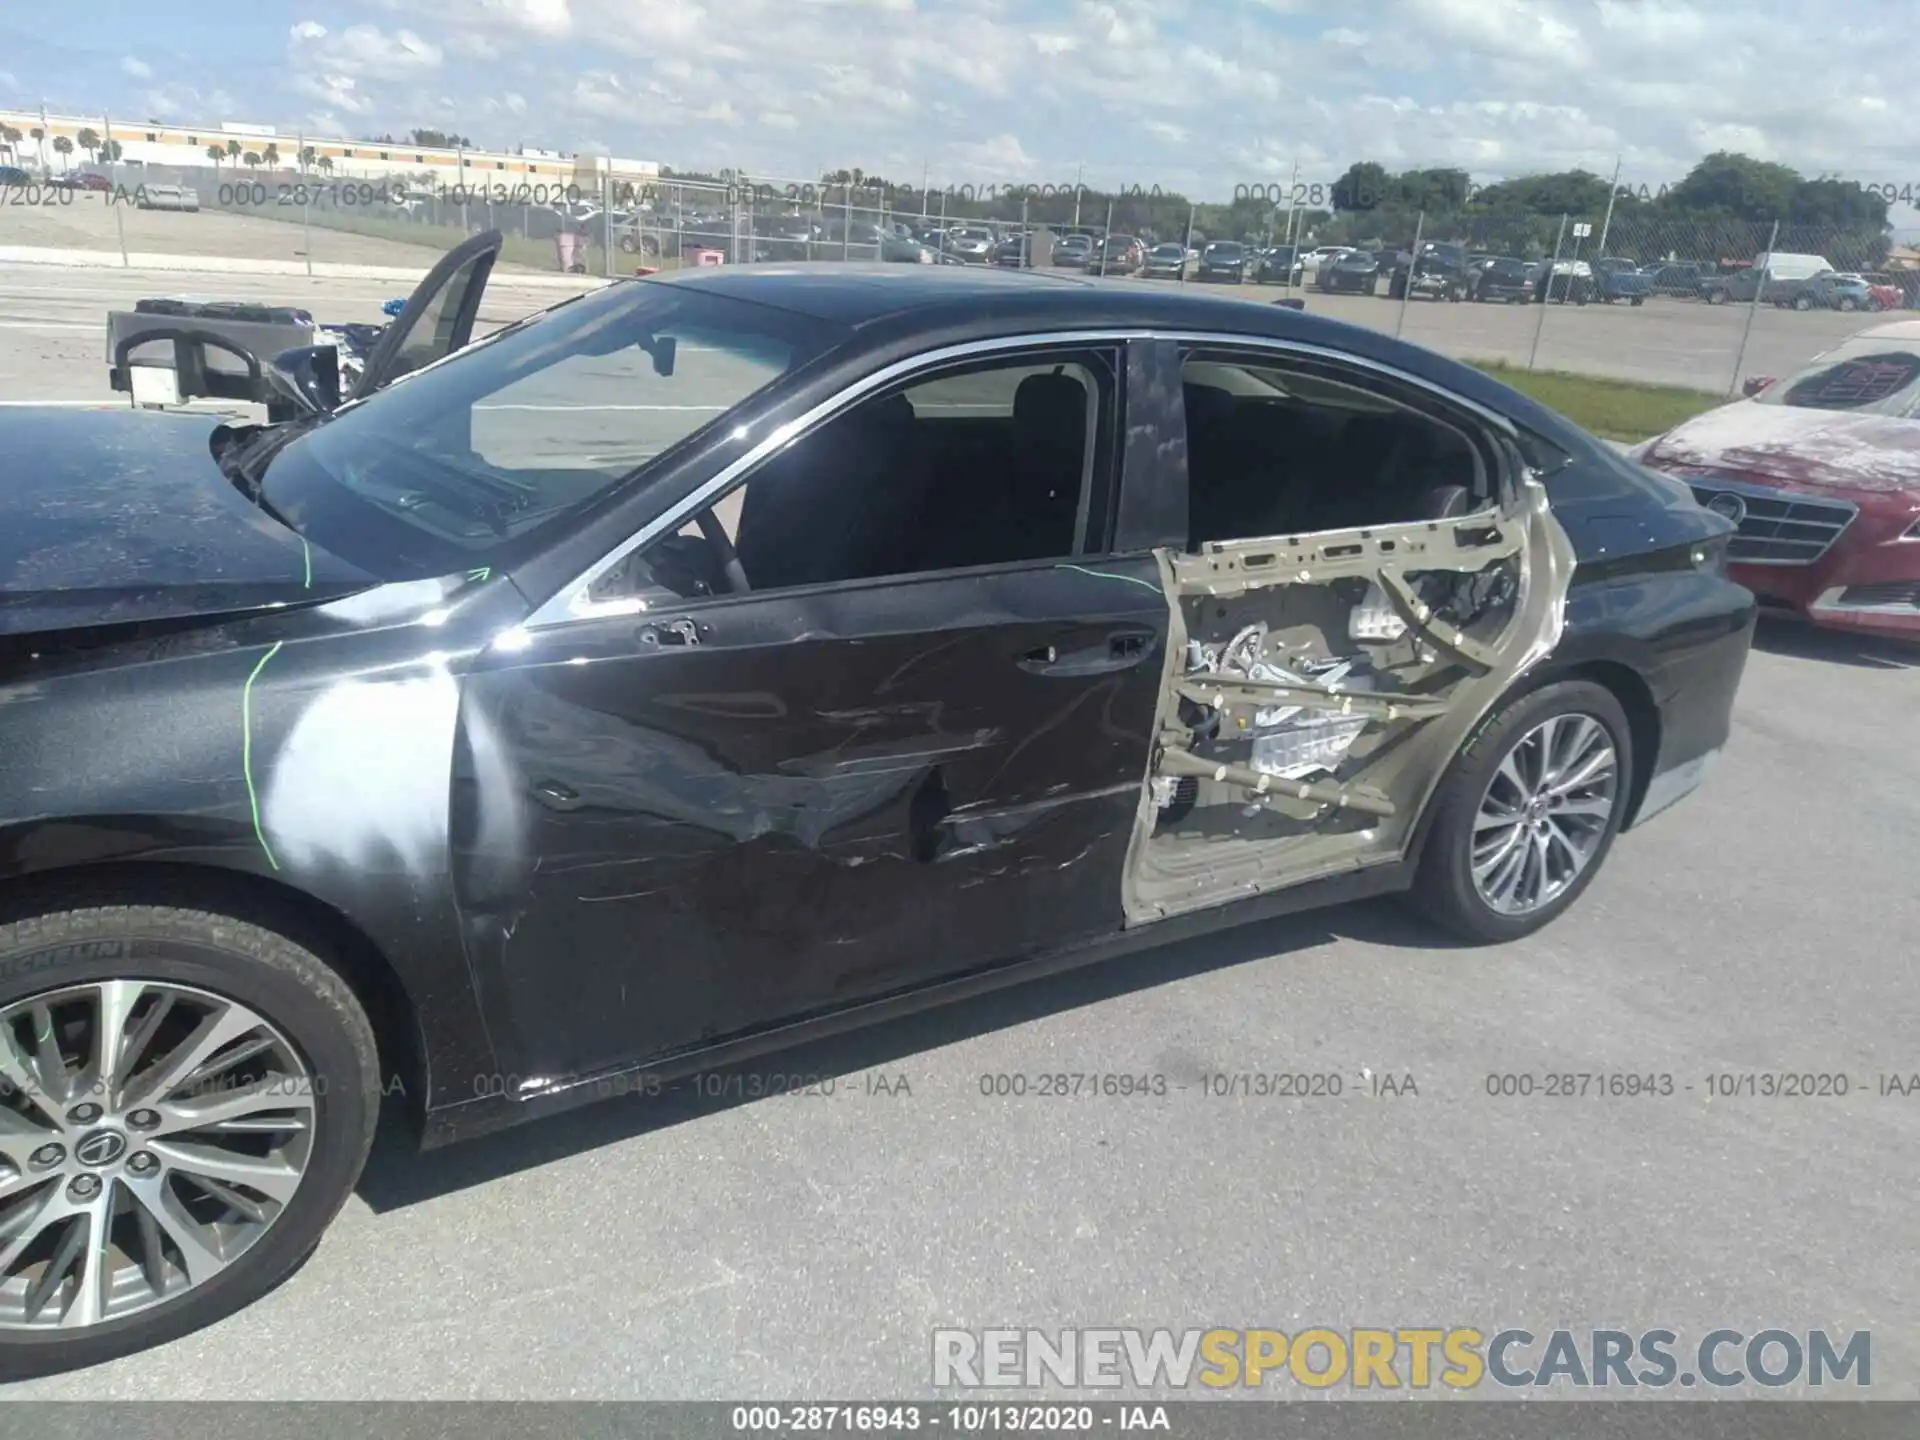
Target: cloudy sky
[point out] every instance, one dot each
(1199, 95)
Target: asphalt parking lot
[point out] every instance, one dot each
(84, 221)
(805, 1246)
(52, 324)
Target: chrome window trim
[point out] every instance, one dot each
(571, 602)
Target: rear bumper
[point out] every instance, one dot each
(1669, 787)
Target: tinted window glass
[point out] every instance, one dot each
(1864, 375)
(461, 464)
(989, 464)
(433, 336)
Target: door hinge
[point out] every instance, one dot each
(673, 632)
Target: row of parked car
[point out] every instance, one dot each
(1441, 270)
(1452, 272)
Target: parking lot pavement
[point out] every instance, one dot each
(1667, 341)
(53, 322)
(53, 325)
(81, 221)
(804, 1246)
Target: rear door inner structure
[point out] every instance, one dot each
(1319, 681)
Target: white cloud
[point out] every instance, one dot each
(339, 92)
(1137, 90)
(368, 53)
(1003, 157)
(168, 102)
(539, 17)
(138, 69)
(852, 84)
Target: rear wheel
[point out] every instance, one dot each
(1528, 813)
(1803, 302)
(188, 1098)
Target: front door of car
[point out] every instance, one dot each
(739, 809)
(438, 317)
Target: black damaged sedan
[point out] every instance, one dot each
(713, 662)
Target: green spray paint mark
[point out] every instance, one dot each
(306, 553)
(246, 751)
(476, 576)
(1109, 575)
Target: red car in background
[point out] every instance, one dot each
(1820, 473)
(82, 180)
(1884, 294)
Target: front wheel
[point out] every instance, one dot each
(1527, 814)
(1638, 300)
(1803, 302)
(189, 1099)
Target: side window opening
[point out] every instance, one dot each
(1286, 449)
(981, 464)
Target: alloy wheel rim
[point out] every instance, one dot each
(150, 1134)
(1544, 814)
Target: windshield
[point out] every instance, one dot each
(1169, 252)
(1875, 376)
(457, 465)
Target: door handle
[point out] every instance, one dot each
(555, 796)
(1118, 651)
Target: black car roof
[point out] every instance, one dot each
(897, 299)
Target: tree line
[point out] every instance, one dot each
(1723, 209)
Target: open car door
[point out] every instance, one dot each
(1322, 678)
(166, 352)
(439, 315)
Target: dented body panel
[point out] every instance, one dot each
(1297, 598)
(827, 798)
(595, 849)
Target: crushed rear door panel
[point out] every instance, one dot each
(1317, 686)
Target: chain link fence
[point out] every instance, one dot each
(1631, 290)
